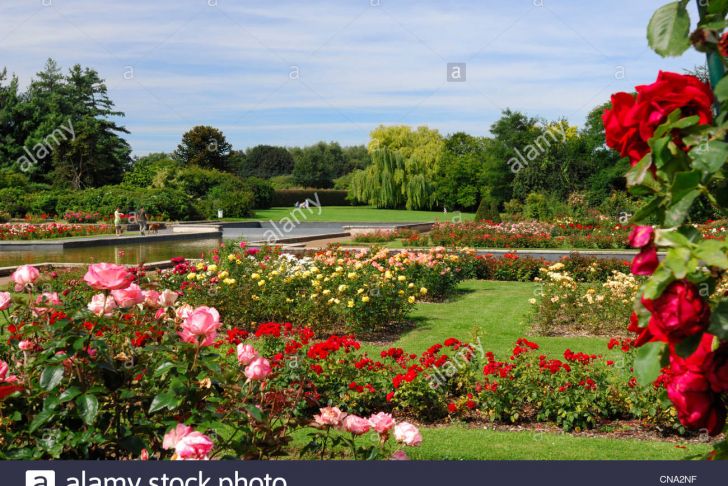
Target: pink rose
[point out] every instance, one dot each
(246, 353)
(641, 236)
(151, 298)
(184, 311)
(381, 422)
(107, 276)
(5, 300)
(258, 369)
(200, 327)
(356, 425)
(101, 305)
(329, 416)
(167, 298)
(26, 345)
(399, 456)
(645, 262)
(23, 276)
(4, 377)
(407, 434)
(50, 298)
(129, 296)
(187, 443)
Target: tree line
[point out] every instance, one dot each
(62, 132)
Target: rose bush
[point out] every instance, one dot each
(673, 132)
(334, 291)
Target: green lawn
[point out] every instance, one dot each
(498, 313)
(459, 442)
(360, 214)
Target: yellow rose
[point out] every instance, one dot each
(365, 299)
(401, 278)
(191, 276)
(350, 304)
(423, 291)
(229, 281)
(411, 299)
(255, 276)
(212, 268)
(261, 283)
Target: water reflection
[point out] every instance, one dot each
(124, 253)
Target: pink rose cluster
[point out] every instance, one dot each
(256, 367)
(382, 423)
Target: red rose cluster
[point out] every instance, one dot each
(694, 384)
(632, 120)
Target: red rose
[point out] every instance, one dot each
(645, 335)
(621, 131)
(717, 369)
(632, 121)
(697, 406)
(645, 262)
(678, 313)
(723, 45)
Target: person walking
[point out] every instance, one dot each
(117, 221)
(142, 220)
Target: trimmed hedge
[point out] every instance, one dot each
(327, 197)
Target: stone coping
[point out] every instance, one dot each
(110, 240)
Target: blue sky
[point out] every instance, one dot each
(295, 72)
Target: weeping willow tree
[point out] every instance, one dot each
(392, 182)
(404, 162)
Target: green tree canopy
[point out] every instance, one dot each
(206, 147)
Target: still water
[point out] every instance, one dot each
(123, 253)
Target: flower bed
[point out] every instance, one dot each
(81, 217)
(137, 372)
(12, 231)
(563, 306)
(515, 267)
(333, 291)
(535, 234)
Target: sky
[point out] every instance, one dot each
(287, 72)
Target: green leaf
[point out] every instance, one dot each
(676, 213)
(678, 261)
(657, 283)
(670, 237)
(668, 30)
(51, 377)
(166, 400)
(712, 253)
(647, 210)
(163, 368)
(88, 408)
(709, 157)
(640, 174)
(69, 394)
(721, 89)
(719, 320)
(42, 418)
(254, 412)
(648, 362)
